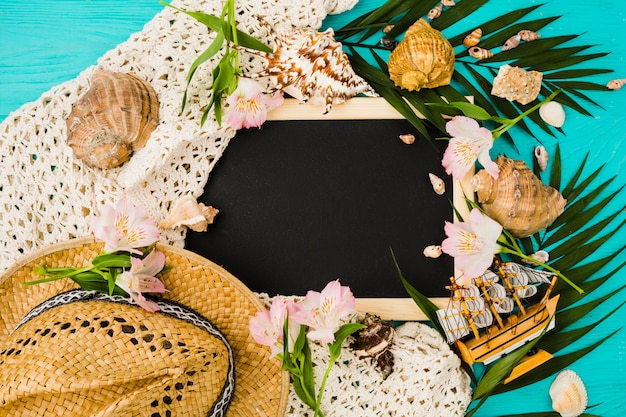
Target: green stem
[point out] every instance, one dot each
(333, 358)
(548, 267)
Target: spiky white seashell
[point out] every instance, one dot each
(552, 113)
(568, 393)
(438, 185)
(540, 256)
(186, 211)
(312, 67)
(542, 157)
(432, 251)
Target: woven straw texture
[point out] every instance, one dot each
(261, 388)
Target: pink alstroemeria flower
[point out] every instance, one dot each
(468, 143)
(141, 278)
(266, 327)
(248, 105)
(472, 243)
(325, 312)
(124, 227)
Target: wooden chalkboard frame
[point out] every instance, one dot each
(358, 108)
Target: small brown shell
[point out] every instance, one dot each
(448, 3)
(423, 59)
(512, 42)
(517, 199)
(473, 38)
(528, 35)
(515, 83)
(186, 211)
(480, 53)
(114, 118)
(407, 138)
(616, 84)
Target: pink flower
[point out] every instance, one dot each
(325, 312)
(266, 327)
(124, 227)
(469, 142)
(472, 243)
(141, 278)
(248, 105)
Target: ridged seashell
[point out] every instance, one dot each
(616, 84)
(515, 83)
(448, 3)
(114, 118)
(186, 211)
(552, 113)
(542, 156)
(423, 59)
(432, 251)
(480, 53)
(473, 38)
(517, 199)
(438, 185)
(311, 67)
(407, 138)
(540, 256)
(435, 12)
(528, 35)
(568, 394)
(511, 43)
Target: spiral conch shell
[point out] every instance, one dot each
(114, 118)
(517, 199)
(568, 394)
(423, 59)
(186, 211)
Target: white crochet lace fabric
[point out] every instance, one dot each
(46, 194)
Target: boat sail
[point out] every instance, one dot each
(490, 308)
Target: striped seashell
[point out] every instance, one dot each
(114, 118)
(423, 59)
(480, 53)
(473, 38)
(435, 12)
(511, 43)
(438, 185)
(568, 394)
(616, 84)
(312, 67)
(528, 35)
(517, 199)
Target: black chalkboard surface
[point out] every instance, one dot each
(306, 202)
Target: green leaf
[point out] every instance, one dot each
(454, 14)
(109, 260)
(341, 335)
(574, 73)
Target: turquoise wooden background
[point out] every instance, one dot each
(46, 42)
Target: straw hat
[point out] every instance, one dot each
(102, 353)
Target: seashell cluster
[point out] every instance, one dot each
(374, 342)
(423, 59)
(542, 156)
(552, 113)
(514, 83)
(517, 199)
(186, 211)
(114, 118)
(439, 186)
(616, 84)
(568, 394)
(473, 38)
(480, 53)
(312, 67)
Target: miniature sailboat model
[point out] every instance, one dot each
(493, 302)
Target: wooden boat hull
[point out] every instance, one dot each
(516, 331)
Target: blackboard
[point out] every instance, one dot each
(304, 202)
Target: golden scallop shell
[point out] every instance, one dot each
(423, 59)
(114, 118)
(517, 199)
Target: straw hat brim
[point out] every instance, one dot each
(261, 387)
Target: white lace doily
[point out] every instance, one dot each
(46, 194)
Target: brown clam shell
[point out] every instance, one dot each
(517, 199)
(423, 59)
(114, 118)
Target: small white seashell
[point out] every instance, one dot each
(511, 43)
(432, 251)
(616, 84)
(186, 211)
(542, 157)
(552, 113)
(448, 3)
(528, 35)
(407, 138)
(435, 12)
(438, 185)
(541, 256)
(568, 393)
